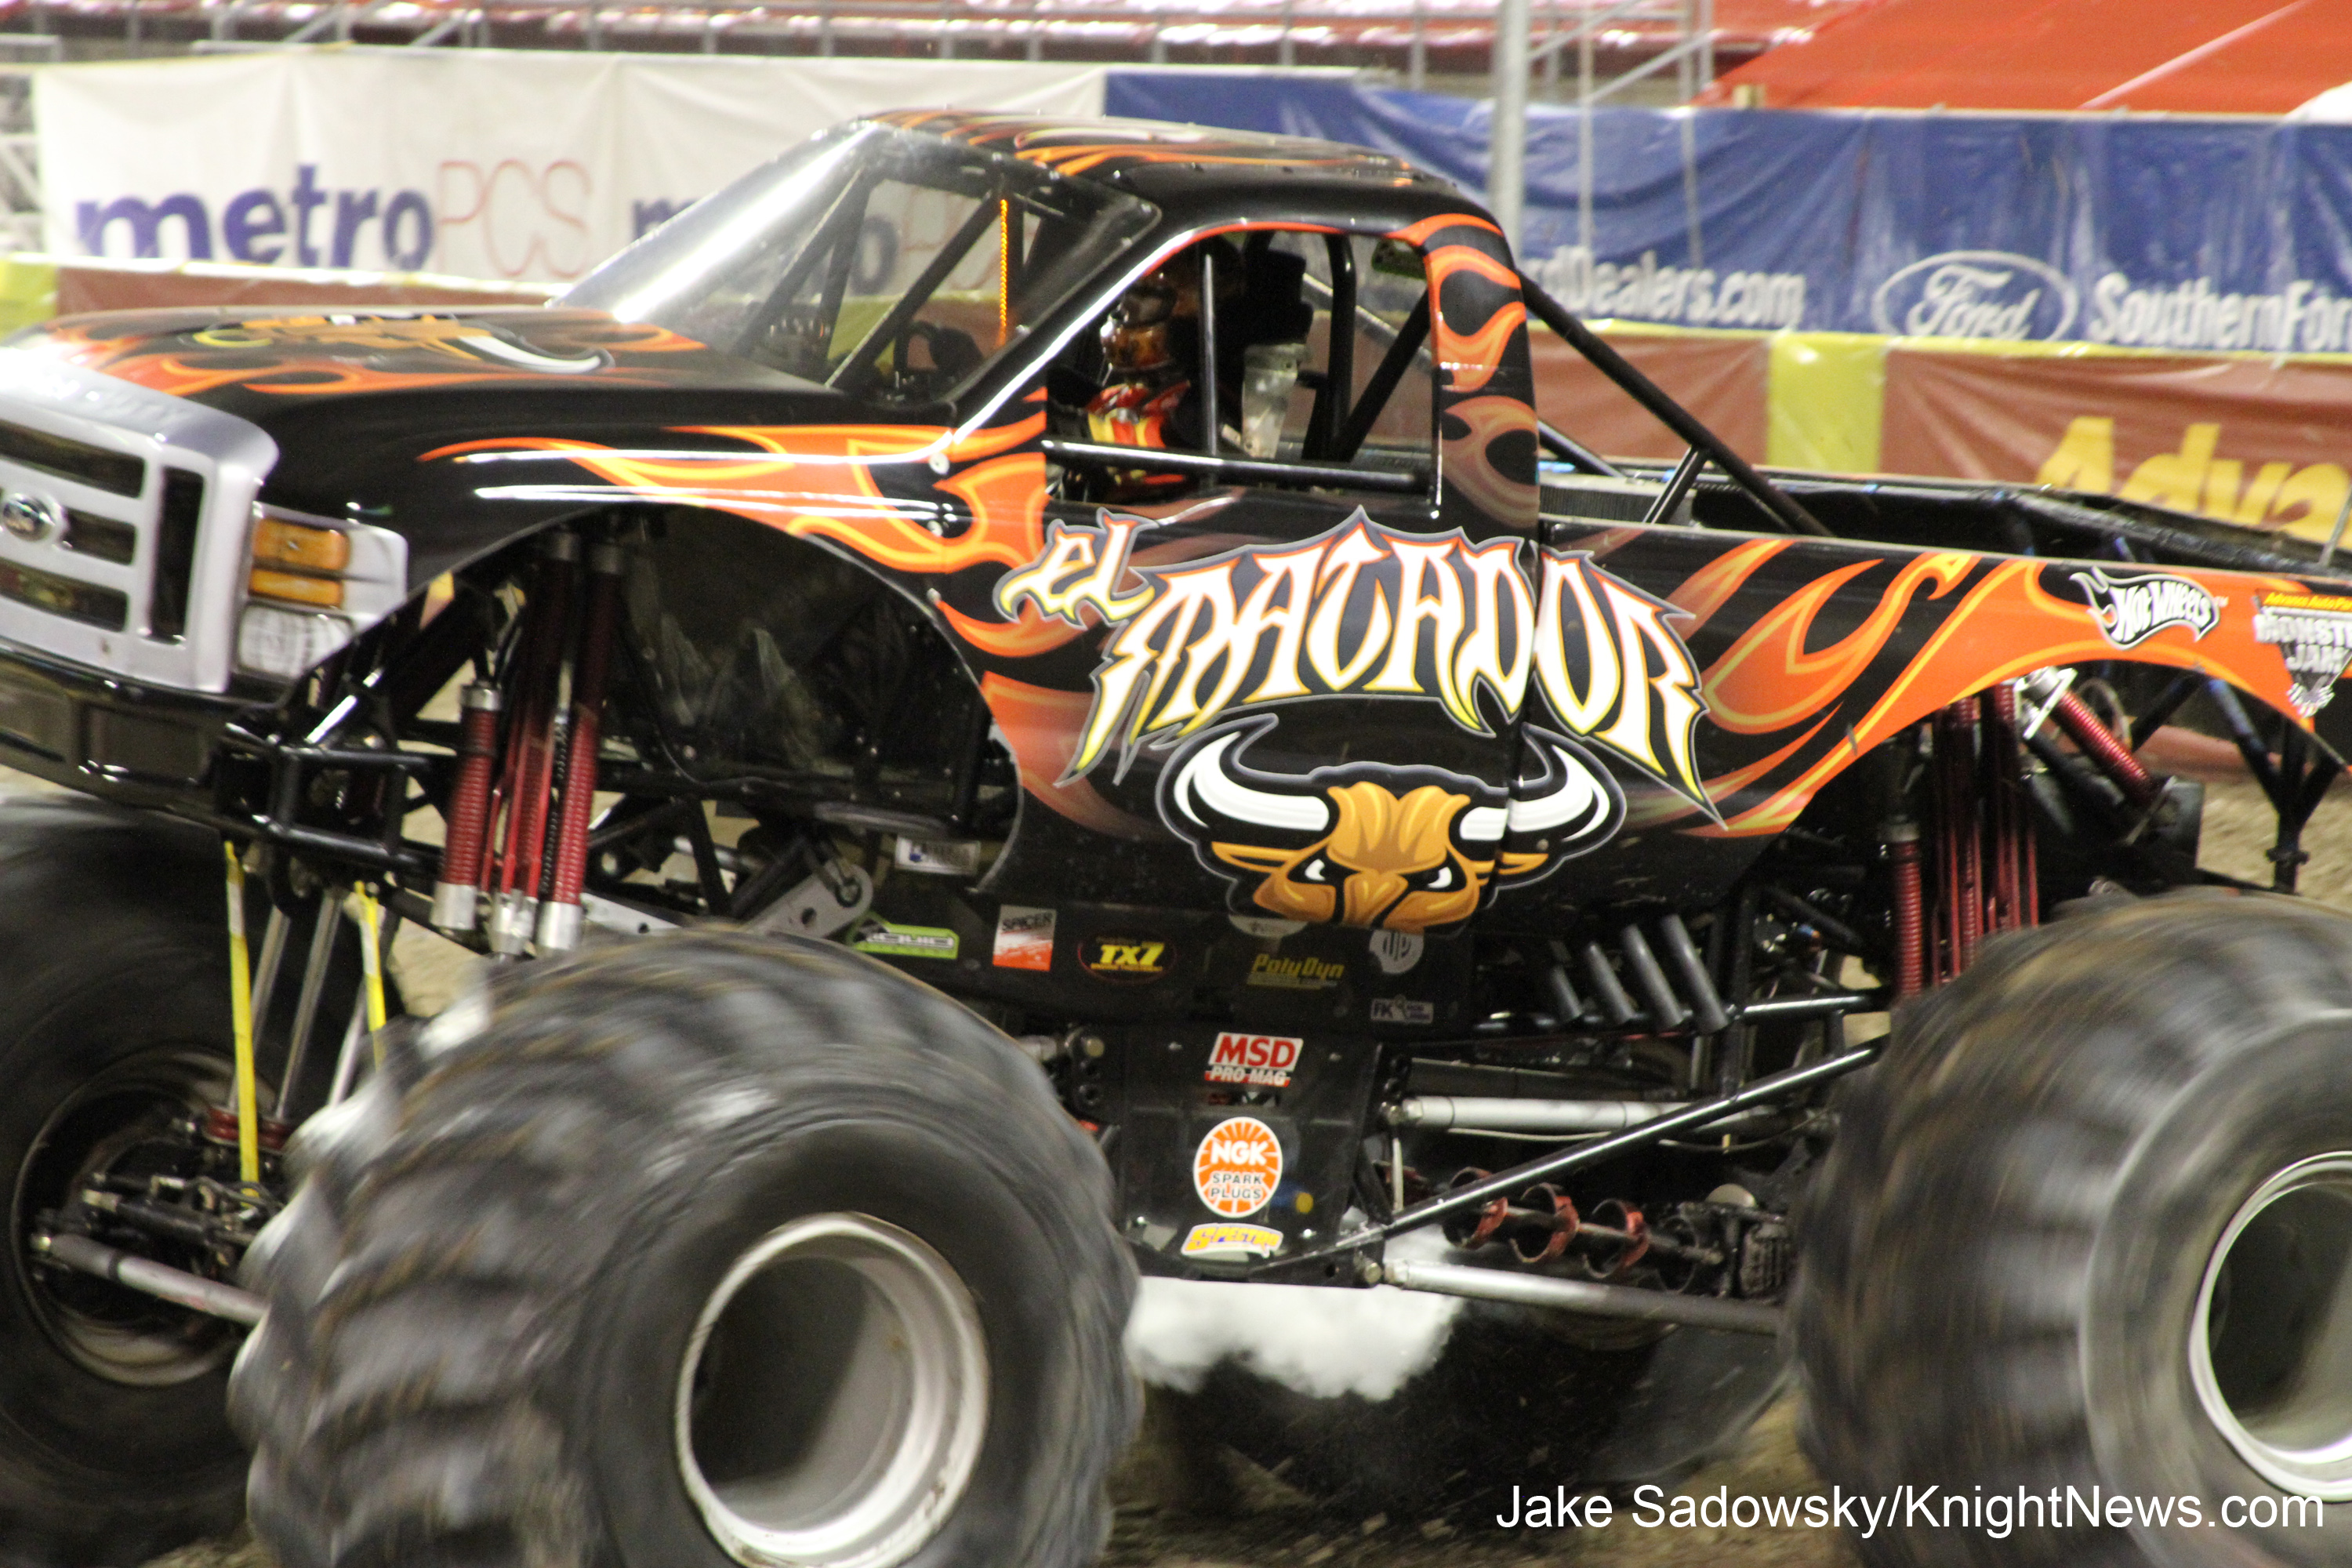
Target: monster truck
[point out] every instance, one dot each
(987, 824)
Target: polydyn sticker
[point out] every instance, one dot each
(1261, 1062)
(1025, 938)
(1238, 1167)
(1247, 1240)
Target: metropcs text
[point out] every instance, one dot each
(1993, 1514)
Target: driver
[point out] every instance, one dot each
(1151, 348)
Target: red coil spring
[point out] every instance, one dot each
(469, 795)
(587, 717)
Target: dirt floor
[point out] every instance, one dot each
(1159, 1525)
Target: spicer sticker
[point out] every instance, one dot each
(2314, 632)
(875, 934)
(1024, 939)
(1295, 974)
(1246, 1240)
(2132, 607)
(1238, 1167)
(1401, 1010)
(1125, 960)
(1261, 1062)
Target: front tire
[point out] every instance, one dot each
(2090, 1224)
(704, 1250)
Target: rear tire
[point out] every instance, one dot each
(685, 1252)
(2019, 1261)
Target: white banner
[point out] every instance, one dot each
(480, 163)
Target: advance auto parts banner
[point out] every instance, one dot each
(2139, 232)
(2262, 443)
(480, 163)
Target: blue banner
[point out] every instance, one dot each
(2162, 233)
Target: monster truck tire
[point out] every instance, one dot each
(488, 1303)
(2090, 1224)
(113, 1016)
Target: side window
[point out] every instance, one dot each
(1294, 402)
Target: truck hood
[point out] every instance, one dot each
(252, 362)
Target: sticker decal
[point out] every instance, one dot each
(1238, 1167)
(1402, 1010)
(1024, 939)
(2313, 632)
(1265, 927)
(1125, 960)
(1396, 951)
(1261, 1062)
(1375, 611)
(937, 856)
(1366, 844)
(875, 934)
(2131, 607)
(1243, 1240)
(1295, 974)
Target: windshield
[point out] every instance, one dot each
(890, 264)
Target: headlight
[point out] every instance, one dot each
(312, 584)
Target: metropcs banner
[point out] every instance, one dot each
(490, 165)
(2139, 232)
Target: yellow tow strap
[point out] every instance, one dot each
(372, 964)
(240, 1014)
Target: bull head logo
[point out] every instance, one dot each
(1367, 844)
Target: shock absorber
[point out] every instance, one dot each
(2093, 738)
(455, 894)
(531, 758)
(558, 916)
(1910, 928)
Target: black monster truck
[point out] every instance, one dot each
(1116, 740)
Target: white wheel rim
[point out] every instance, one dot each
(844, 1410)
(2272, 1373)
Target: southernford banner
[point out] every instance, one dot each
(486, 164)
(2150, 233)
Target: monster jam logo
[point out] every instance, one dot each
(1369, 845)
(2314, 632)
(1366, 610)
(2132, 609)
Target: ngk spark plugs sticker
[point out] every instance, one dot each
(1238, 1167)
(2133, 606)
(2314, 632)
(1247, 1240)
(1025, 938)
(1125, 960)
(1261, 1062)
(875, 934)
(1396, 951)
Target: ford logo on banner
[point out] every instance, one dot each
(1976, 294)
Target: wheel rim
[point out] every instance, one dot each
(119, 1334)
(832, 1401)
(2272, 1332)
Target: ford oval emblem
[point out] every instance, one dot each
(29, 517)
(1976, 294)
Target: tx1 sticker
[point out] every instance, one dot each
(1295, 974)
(875, 934)
(1402, 1010)
(1261, 1062)
(1231, 1240)
(1025, 938)
(1238, 1167)
(2314, 632)
(2132, 607)
(1126, 959)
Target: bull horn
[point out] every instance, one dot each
(1207, 775)
(1582, 800)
